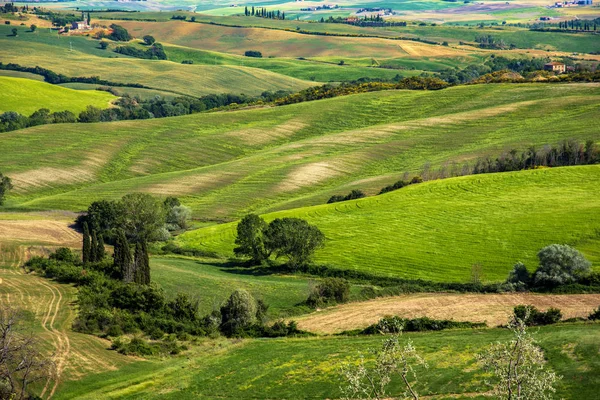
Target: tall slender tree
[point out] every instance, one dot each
(141, 264)
(122, 257)
(94, 247)
(86, 243)
(100, 248)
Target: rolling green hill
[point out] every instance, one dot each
(26, 96)
(437, 230)
(224, 164)
(81, 56)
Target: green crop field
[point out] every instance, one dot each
(81, 56)
(26, 96)
(439, 229)
(224, 164)
(309, 368)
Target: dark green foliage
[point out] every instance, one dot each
(100, 251)
(103, 44)
(90, 114)
(531, 316)
(354, 194)
(400, 184)
(329, 291)
(33, 27)
(253, 53)
(63, 254)
(293, 238)
(15, 32)
(94, 247)
(154, 52)
(5, 187)
(396, 324)
(119, 34)
(559, 265)
(250, 240)
(595, 315)
(329, 91)
(141, 264)
(519, 275)
(87, 245)
(149, 40)
(122, 261)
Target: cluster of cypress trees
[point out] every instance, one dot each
(131, 269)
(262, 12)
(93, 246)
(136, 269)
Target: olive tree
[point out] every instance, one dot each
(518, 367)
(560, 264)
(238, 312)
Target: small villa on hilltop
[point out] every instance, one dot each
(81, 26)
(555, 67)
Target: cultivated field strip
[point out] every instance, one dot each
(52, 307)
(494, 309)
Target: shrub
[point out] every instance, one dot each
(354, 194)
(63, 254)
(595, 315)
(531, 316)
(329, 290)
(559, 265)
(253, 53)
(238, 312)
(397, 324)
(519, 275)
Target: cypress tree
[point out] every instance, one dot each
(89, 19)
(145, 263)
(94, 247)
(122, 257)
(86, 243)
(252, 10)
(246, 11)
(100, 249)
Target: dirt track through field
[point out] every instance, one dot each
(494, 309)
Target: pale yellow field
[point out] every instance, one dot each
(494, 309)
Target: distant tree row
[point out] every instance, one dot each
(329, 91)
(264, 13)
(354, 194)
(154, 52)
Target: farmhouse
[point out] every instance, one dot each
(555, 67)
(80, 25)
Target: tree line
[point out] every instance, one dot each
(132, 108)
(264, 13)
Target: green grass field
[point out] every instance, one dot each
(309, 368)
(26, 96)
(212, 281)
(439, 229)
(225, 164)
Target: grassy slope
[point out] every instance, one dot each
(212, 282)
(51, 51)
(227, 163)
(309, 368)
(439, 229)
(26, 96)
